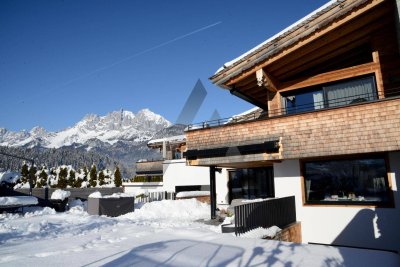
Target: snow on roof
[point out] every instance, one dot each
(60, 194)
(193, 194)
(18, 200)
(177, 138)
(9, 177)
(279, 34)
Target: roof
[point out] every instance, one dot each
(171, 139)
(292, 34)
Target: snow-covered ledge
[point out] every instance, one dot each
(17, 201)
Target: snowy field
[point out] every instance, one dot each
(164, 233)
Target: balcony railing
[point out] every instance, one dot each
(279, 212)
(287, 111)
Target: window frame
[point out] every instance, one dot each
(363, 204)
(324, 88)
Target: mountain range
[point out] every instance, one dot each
(118, 138)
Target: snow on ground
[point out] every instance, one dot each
(164, 233)
(262, 232)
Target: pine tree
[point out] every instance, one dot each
(101, 178)
(42, 179)
(117, 178)
(62, 178)
(93, 176)
(24, 173)
(85, 172)
(71, 180)
(32, 175)
(78, 182)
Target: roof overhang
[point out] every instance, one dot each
(332, 15)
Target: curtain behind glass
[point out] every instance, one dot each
(350, 92)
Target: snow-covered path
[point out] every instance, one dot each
(161, 233)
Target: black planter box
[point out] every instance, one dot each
(58, 204)
(112, 207)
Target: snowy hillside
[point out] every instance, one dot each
(111, 128)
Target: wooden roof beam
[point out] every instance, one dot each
(332, 26)
(266, 80)
(331, 76)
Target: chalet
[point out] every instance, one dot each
(328, 129)
(171, 174)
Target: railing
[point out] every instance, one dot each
(280, 212)
(286, 111)
(154, 196)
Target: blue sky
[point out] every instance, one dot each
(60, 60)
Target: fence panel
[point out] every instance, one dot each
(279, 211)
(155, 196)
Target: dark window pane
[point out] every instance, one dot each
(251, 183)
(350, 92)
(361, 180)
(304, 101)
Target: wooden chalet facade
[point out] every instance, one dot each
(329, 133)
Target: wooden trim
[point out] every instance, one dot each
(384, 155)
(266, 80)
(332, 26)
(331, 76)
(378, 75)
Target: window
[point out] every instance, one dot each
(251, 183)
(350, 92)
(304, 101)
(331, 95)
(356, 181)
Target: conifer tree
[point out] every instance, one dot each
(42, 179)
(78, 182)
(32, 175)
(62, 178)
(101, 178)
(85, 173)
(93, 176)
(24, 173)
(117, 178)
(71, 180)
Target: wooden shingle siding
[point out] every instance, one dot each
(364, 128)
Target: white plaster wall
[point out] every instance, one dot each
(177, 173)
(221, 184)
(353, 226)
(141, 187)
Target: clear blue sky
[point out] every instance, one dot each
(60, 60)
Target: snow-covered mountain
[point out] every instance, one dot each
(111, 128)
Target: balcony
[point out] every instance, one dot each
(149, 172)
(366, 124)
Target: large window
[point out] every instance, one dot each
(331, 95)
(355, 181)
(251, 183)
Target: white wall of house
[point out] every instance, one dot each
(222, 190)
(177, 173)
(142, 187)
(349, 225)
